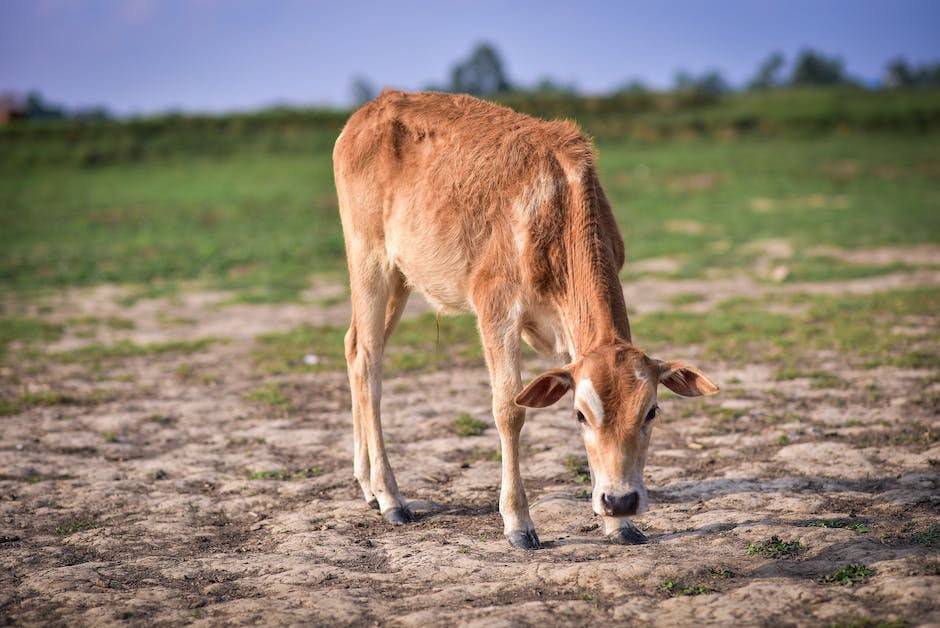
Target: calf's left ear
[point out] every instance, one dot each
(684, 379)
(545, 389)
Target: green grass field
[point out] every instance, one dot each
(254, 210)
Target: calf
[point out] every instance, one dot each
(485, 210)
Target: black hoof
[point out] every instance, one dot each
(524, 540)
(399, 516)
(629, 535)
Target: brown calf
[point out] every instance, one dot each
(486, 210)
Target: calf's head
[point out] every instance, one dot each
(615, 404)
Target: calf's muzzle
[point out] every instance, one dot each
(620, 505)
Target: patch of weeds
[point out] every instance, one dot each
(241, 441)
(109, 437)
(171, 321)
(839, 523)
(419, 343)
(783, 440)
(722, 572)
(463, 550)
(739, 328)
(467, 425)
(821, 379)
(776, 548)
(678, 588)
(76, 526)
(128, 349)
(493, 455)
(583, 494)
(579, 468)
(284, 352)
(117, 323)
(929, 537)
(587, 597)
(153, 290)
(849, 574)
(685, 298)
(270, 394)
(283, 475)
(27, 330)
(833, 269)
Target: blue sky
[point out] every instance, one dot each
(141, 56)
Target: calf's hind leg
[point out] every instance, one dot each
(378, 296)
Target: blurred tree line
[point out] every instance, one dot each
(483, 73)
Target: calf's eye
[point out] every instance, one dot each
(580, 416)
(652, 413)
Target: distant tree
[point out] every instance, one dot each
(815, 69)
(710, 83)
(633, 86)
(768, 73)
(548, 85)
(481, 74)
(899, 73)
(36, 108)
(98, 113)
(362, 90)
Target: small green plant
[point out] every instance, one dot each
(775, 548)
(929, 537)
(839, 523)
(849, 574)
(272, 395)
(76, 526)
(578, 467)
(467, 425)
(678, 588)
(109, 437)
(587, 597)
(283, 475)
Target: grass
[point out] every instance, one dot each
(272, 395)
(678, 588)
(283, 475)
(578, 467)
(467, 425)
(858, 526)
(849, 574)
(76, 526)
(151, 210)
(775, 548)
(929, 537)
(418, 344)
(851, 325)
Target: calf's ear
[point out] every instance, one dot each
(545, 389)
(684, 379)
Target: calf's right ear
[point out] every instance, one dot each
(546, 389)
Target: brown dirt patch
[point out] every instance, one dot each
(140, 506)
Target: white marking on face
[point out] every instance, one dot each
(586, 395)
(640, 376)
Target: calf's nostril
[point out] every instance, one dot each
(620, 505)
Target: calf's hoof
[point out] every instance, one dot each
(628, 535)
(399, 516)
(524, 540)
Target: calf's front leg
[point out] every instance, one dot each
(502, 358)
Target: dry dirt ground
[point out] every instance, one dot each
(156, 492)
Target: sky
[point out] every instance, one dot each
(146, 56)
